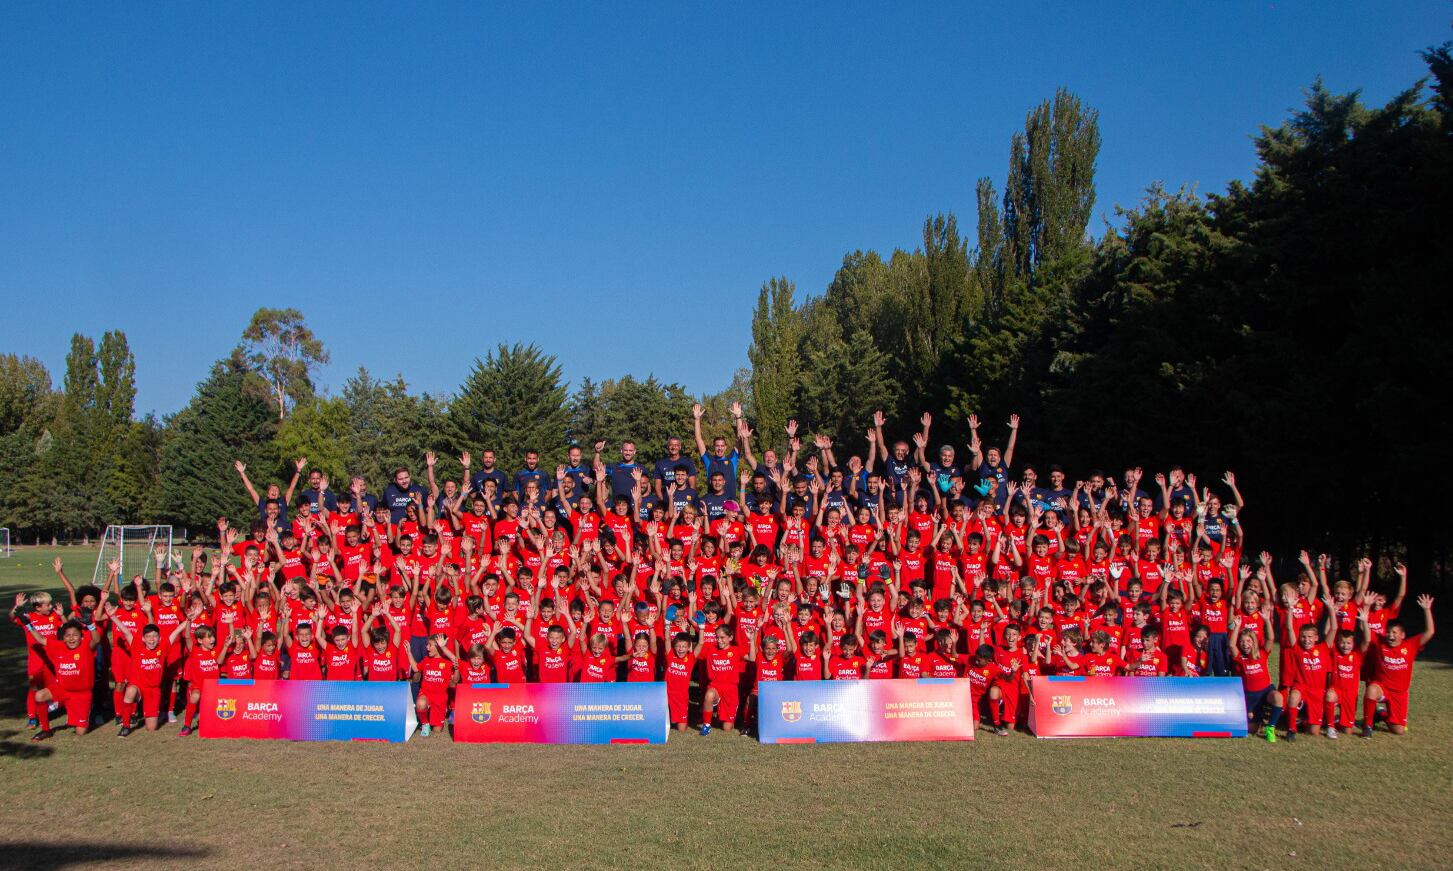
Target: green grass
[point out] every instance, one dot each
(722, 801)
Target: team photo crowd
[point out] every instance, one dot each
(717, 569)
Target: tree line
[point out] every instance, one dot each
(1292, 328)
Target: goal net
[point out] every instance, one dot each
(134, 548)
(5, 543)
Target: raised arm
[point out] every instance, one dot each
(302, 463)
(696, 412)
(1013, 437)
(241, 468)
(1426, 603)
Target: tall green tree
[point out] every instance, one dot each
(28, 407)
(512, 401)
(224, 422)
(389, 427)
(775, 356)
(280, 347)
(647, 412)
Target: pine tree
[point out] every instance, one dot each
(774, 355)
(512, 401)
(224, 422)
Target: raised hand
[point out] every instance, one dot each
(1425, 602)
(791, 427)
(926, 419)
(1402, 570)
(919, 440)
(464, 459)
(696, 412)
(430, 459)
(1014, 421)
(878, 419)
(973, 421)
(301, 463)
(1229, 479)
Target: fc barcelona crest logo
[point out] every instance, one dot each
(1061, 705)
(479, 712)
(791, 711)
(226, 709)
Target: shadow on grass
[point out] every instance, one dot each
(51, 855)
(17, 745)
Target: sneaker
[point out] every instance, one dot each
(1271, 734)
(705, 729)
(185, 731)
(1367, 731)
(1332, 732)
(123, 732)
(1291, 736)
(42, 735)
(171, 716)
(32, 723)
(1001, 730)
(425, 730)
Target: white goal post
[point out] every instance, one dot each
(5, 543)
(134, 548)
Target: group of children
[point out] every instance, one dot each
(791, 568)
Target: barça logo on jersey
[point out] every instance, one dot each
(1061, 705)
(791, 711)
(480, 712)
(226, 709)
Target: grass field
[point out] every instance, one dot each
(154, 800)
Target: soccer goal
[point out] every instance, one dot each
(134, 549)
(5, 543)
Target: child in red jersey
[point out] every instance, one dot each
(1250, 662)
(984, 690)
(641, 661)
(341, 655)
(70, 673)
(150, 659)
(41, 621)
(848, 663)
(724, 664)
(680, 664)
(1151, 660)
(1311, 681)
(202, 664)
(1392, 658)
(507, 656)
(438, 671)
(475, 668)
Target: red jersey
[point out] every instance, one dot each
(840, 667)
(1255, 674)
(307, 662)
(596, 668)
(1312, 666)
(509, 665)
(387, 664)
(679, 668)
(341, 664)
(554, 665)
(1392, 664)
(73, 669)
(723, 664)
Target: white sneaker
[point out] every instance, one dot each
(1332, 732)
(171, 716)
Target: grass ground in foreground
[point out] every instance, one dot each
(154, 800)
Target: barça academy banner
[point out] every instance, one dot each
(561, 713)
(1136, 707)
(819, 711)
(308, 710)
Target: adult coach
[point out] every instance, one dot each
(400, 492)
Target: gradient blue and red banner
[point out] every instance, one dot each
(307, 710)
(1137, 707)
(819, 711)
(561, 713)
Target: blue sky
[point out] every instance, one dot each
(611, 181)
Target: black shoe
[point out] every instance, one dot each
(124, 731)
(1291, 736)
(1367, 731)
(42, 735)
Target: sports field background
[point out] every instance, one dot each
(154, 800)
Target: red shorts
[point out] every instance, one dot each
(120, 665)
(729, 700)
(150, 701)
(678, 700)
(1397, 706)
(1316, 701)
(1346, 701)
(77, 704)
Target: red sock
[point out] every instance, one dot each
(189, 715)
(118, 700)
(1292, 719)
(30, 704)
(996, 712)
(127, 710)
(42, 714)
(1369, 712)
